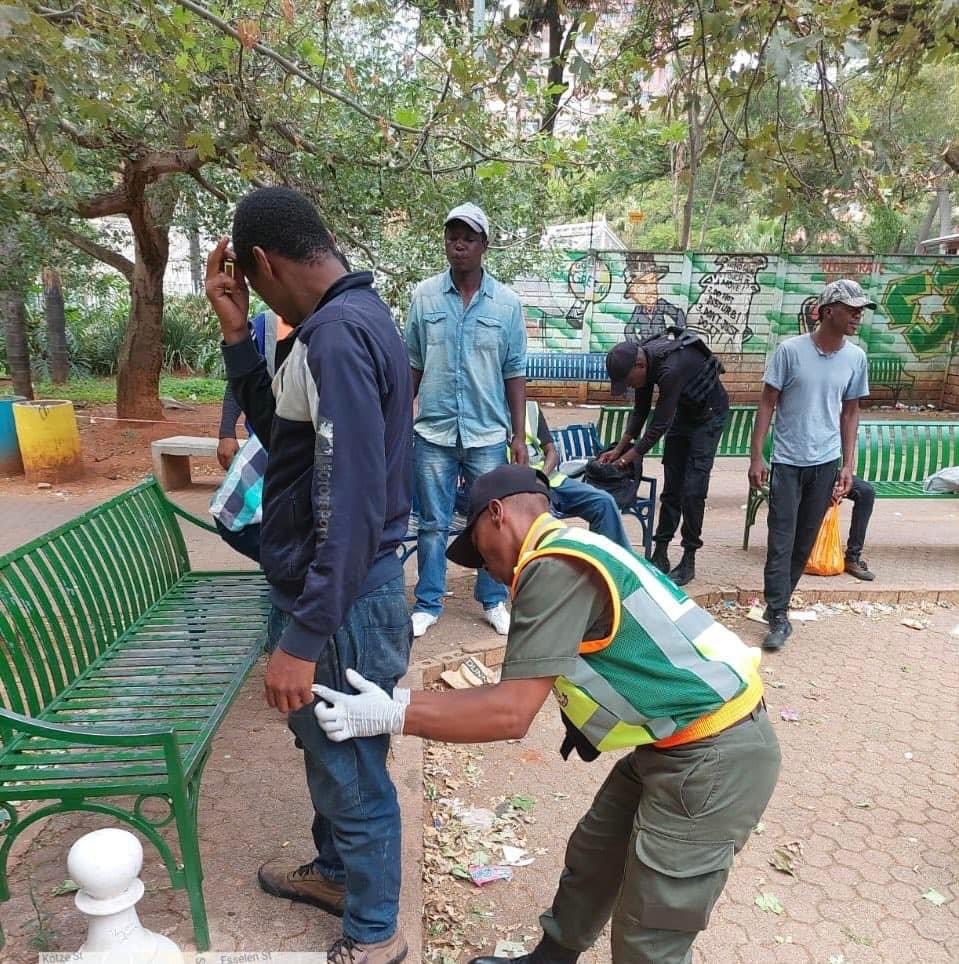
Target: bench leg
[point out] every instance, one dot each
(172, 471)
(753, 502)
(185, 807)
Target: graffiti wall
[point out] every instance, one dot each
(745, 304)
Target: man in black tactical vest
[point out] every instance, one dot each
(691, 412)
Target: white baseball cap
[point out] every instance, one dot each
(472, 215)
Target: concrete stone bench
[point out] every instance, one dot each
(171, 458)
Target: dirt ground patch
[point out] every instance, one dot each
(118, 450)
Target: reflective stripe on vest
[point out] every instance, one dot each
(537, 457)
(668, 673)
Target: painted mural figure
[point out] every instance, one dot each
(652, 314)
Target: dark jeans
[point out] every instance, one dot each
(356, 827)
(798, 499)
(688, 456)
(863, 497)
(246, 541)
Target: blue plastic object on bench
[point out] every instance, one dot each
(566, 366)
(582, 442)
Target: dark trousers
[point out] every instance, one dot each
(863, 497)
(798, 499)
(688, 456)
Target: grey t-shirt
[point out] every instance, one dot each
(812, 387)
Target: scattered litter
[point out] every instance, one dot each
(759, 828)
(934, 897)
(471, 672)
(908, 756)
(783, 940)
(776, 685)
(476, 818)
(516, 857)
(804, 616)
(787, 858)
(837, 959)
(769, 903)
(67, 886)
(916, 623)
(521, 801)
(286, 843)
(756, 614)
(509, 949)
(864, 804)
(790, 716)
(483, 875)
(955, 630)
(44, 485)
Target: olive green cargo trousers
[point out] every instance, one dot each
(655, 849)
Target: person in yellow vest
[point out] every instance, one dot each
(634, 664)
(570, 497)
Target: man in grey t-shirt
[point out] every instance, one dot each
(813, 382)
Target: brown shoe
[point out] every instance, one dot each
(348, 951)
(303, 884)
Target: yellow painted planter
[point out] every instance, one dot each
(49, 441)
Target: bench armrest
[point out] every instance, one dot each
(15, 722)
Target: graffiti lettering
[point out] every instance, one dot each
(925, 307)
(843, 268)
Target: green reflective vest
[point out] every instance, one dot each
(667, 673)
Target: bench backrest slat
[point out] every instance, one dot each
(67, 596)
(905, 451)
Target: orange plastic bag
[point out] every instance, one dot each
(826, 558)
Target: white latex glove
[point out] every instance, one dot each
(371, 712)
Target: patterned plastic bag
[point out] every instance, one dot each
(826, 558)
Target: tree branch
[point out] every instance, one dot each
(207, 186)
(94, 249)
(104, 205)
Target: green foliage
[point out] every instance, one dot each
(103, 391)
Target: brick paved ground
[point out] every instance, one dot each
(877, 827)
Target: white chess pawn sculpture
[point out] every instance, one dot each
(106, 867)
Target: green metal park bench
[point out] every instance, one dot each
(895, 457)
(734, 442)
(890, 371)
(117, 666)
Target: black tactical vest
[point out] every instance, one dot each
(699, 389)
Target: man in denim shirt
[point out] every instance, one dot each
(467, 347)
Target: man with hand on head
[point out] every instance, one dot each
(635, 665)
(813, 383)
(336, 422)
(467, 349)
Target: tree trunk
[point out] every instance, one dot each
(926, 226)
(556, 68)
(141, 354)
(692, 172)
(196, 259)
(14, 315)
(18, 349)
(55, 313)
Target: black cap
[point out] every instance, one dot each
(501, 483)
(620, 360)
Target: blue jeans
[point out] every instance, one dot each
(435, 471)
(356, 826)
(598, 508)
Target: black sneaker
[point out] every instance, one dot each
(857, 567)
(779, 631)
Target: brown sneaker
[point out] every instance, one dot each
(348, 951)
(304, 884)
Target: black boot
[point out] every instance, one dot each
(686, 570)
(660, 560)
(547, 951)
(780, 629)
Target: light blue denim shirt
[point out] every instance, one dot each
(465, 355)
